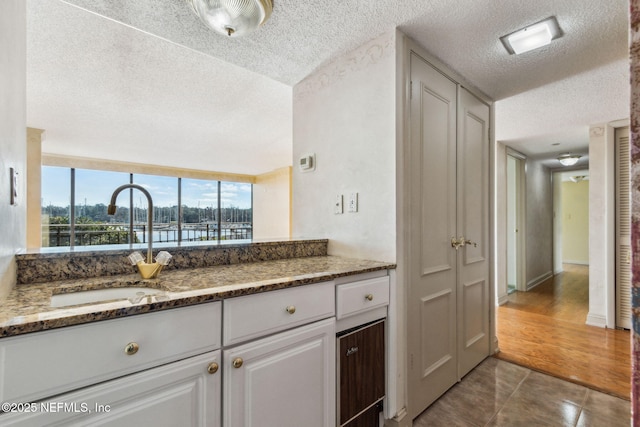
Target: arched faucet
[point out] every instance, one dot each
(111, 210)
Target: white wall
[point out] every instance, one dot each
(539, 223)
(557, 223)
(601, 226)
(13, 151)
(272, 205)
(501, 223)
(345, 114)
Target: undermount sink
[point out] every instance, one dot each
(133, 294)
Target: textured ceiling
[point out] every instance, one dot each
(162, 80)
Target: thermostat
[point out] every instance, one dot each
(307, 162)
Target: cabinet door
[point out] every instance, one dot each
(182, 393)
(285, 380)
(361, 358)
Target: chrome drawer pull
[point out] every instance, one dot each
(351, 351)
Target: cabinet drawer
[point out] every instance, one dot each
(252, 316)
(361, 296)
(47, 363)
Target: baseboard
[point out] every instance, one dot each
(576, 262)
(536, 281)
(400, 420)
(596, 320)
(558, 271)
(503, 299)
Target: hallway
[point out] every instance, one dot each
(544, 329)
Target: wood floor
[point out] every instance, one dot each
(544, 329)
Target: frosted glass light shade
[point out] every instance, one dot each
(530, 38)
(569, 160)
(232, 18)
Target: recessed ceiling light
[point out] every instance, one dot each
(532, 37)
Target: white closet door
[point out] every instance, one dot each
(432, 300)
(473, 224)
(623, 230)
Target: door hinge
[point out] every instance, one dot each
(411, 89)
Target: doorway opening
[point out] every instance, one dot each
(515, 221)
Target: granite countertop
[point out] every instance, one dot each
(27, 308)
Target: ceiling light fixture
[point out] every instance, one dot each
(577, 178)
(532, 37)
(232, 18)
(569, 159)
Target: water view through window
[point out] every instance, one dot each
(74, 208)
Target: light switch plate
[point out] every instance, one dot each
(338, 208)
(353, 202)
(13, 179)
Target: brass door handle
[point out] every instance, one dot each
(290, 309)
(131, 348)
(212, 368)
(469, 242)
(456, 243)
(237, 362)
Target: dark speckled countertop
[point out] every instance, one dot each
(27, 308)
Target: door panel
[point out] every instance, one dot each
(438, 338)
(432, 291)
(623, 230)
(473, 220)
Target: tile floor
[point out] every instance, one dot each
(499, 393)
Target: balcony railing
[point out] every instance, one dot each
(119, 233)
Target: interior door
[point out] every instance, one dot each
(432, 261)
(473, 225)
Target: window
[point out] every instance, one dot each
(74, 208)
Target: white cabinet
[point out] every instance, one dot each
(184, 393)
(258, 315)
(285, 377)
(285, 380)
(166, 368)
(43, 364)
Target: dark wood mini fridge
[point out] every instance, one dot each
(361, 375)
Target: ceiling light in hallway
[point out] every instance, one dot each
(569, 159)
(532, 37)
